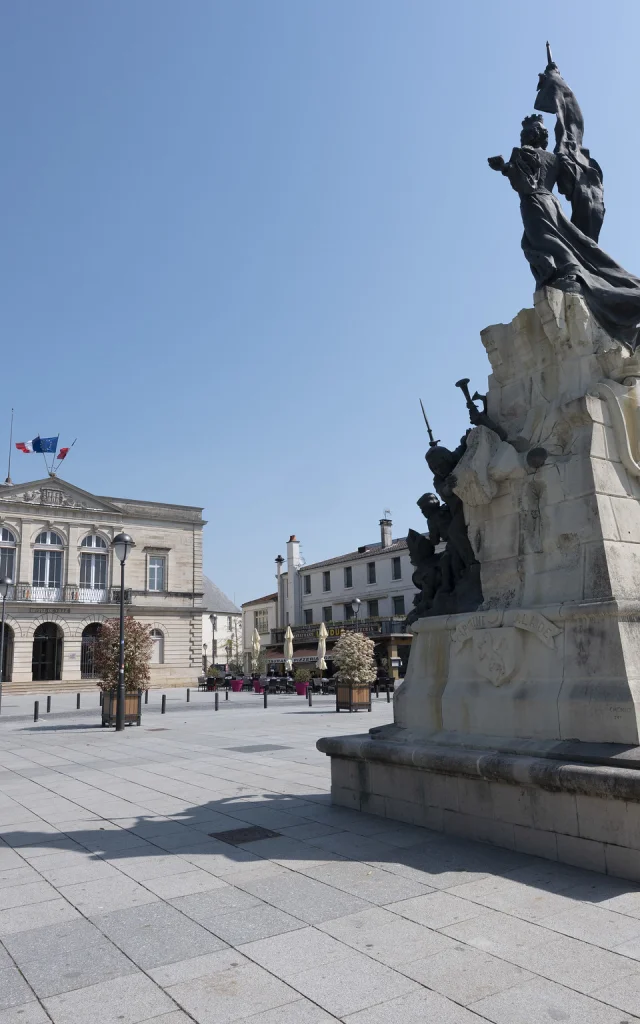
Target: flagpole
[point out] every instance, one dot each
(8, 480)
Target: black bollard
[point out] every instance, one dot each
(78, 701)
(101, 698)
(188, 694)
(164, 704)
(226, 694)
(48, 704)
(377, 690)
(36, 710)
(265, 697)
(146, 696)
(388, 694)
(310, 696)
(216, 701)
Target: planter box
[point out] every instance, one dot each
(132, 707)
(353, 696)
(301, 689)
(236, 685)
(257, 686)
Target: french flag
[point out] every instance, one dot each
(24, 446)
(39, 444)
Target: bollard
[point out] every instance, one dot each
(265, 697)
(164, 704)
(377, 690)
(216, 699)
(188, 694)
(36, 710)
(310, 696)
(101, 698)
(146, 696)
(48, 704)
(226, 694)
(388, 694)
(78, 701)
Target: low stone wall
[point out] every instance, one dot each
(581, 814)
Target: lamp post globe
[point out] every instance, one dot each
(5, 583)
(121, 544)
(355, 605)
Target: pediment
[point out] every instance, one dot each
(54, 493)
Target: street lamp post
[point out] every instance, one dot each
(121, 544)
(214, 649)
(5, 583)
(204, 659)
(355, 606)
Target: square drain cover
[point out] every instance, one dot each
(251, 834)
(257, 749)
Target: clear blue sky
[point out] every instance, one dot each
(241, 239)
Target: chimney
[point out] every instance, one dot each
(294, 596)
(385, 533)
(280, 602)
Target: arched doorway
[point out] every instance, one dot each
(90, 636)
(47, 652)
(7, 653)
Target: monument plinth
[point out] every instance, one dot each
(518, 721)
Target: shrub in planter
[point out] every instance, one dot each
(301, 679)
(137, 658)
(353, 656)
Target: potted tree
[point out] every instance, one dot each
(137, 658)
(301, 680)
(353, 656)
(213, 676)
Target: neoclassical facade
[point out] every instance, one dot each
(55, 544)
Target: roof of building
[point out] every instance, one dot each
(261, 600)
(215, 601)
(370, 549)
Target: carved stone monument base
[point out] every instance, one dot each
(549, 665)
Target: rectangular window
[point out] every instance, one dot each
(398, 605)
(229, 623)
(93, 571)
(396, 569)
(308, 616)
(261, 621)
(348, 577)
(371, 572)
(326, 581)
(307, 584)
(373, 609)
(47, 569)
(156, 573)
(348, 611)
(327, 613)
(6, 562)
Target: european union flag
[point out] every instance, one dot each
(45, 444)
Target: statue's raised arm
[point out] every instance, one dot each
(579, 175)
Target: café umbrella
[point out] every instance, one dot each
(255, 649)
(322, 647)
(288, 649)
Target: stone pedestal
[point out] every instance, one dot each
(548, 669)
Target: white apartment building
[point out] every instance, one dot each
(260, 614)
(370, 589)
(221, 628)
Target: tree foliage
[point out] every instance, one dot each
(137, 654)
(353, 655)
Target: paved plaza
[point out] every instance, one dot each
(120, 902)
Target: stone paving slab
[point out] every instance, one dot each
(118, 907)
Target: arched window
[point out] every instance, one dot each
(50, 538)
(7, 553)
(93, 541)
(157, 651)
(93, 569)
(47, 567)
(90, 636)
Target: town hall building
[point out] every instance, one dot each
(55, 545)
